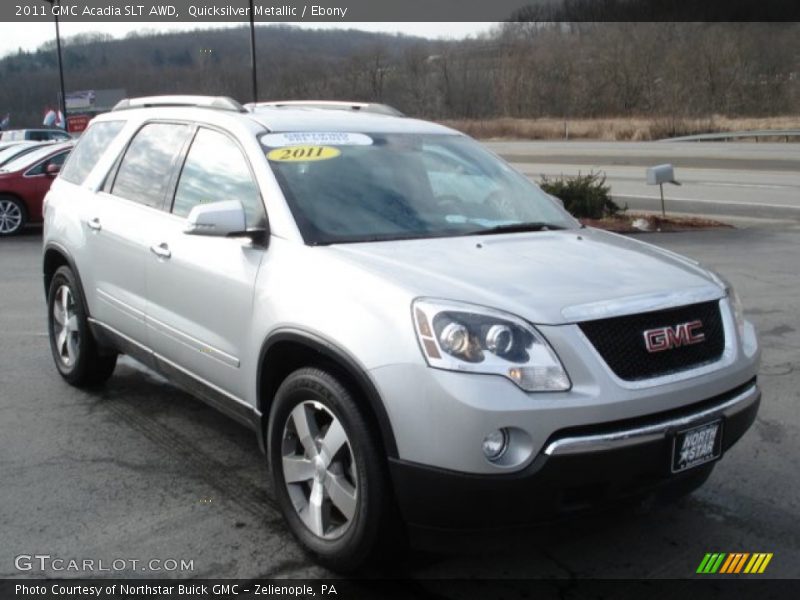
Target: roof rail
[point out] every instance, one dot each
(215, 102)
(369, 107)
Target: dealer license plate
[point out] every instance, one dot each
(696, 446)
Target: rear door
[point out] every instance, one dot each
(118, 223)
(200, 288)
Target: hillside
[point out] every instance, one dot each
(292, 62)
(656, 71)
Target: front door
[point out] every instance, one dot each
(39, 182)
(200, 288)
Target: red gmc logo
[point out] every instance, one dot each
(666, 338)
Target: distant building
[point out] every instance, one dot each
(83, 105)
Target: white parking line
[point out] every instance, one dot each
(776, 186)
(729, 202)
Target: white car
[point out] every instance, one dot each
(35, 135)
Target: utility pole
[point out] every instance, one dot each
(253, 52)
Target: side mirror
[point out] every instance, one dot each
(52, 169)
(218, 219)
(557, 200)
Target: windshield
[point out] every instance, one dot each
(8, 154)
(26, 160)
(353, 187)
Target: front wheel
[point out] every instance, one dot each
(327, 470)
(74, 349)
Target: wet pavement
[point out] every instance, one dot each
(142, 471)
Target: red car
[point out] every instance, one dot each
(24, 181)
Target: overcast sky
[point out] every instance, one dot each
(30, 36)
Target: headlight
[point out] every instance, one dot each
(733, 298)
(738, 312)
(465, 337)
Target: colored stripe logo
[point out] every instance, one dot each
(734, 563)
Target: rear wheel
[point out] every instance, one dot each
(12, 216)
(328, 470)
(74, 349)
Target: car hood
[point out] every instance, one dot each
(547, 277)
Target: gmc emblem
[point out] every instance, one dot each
(666, 338)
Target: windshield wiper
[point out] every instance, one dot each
(517, 227)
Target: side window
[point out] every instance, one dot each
(58, 159)
(216, 170)
(146, 169)
(89, 150)
(41, 168)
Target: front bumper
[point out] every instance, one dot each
(579, 468)
(440, 417)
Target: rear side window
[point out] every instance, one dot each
(216, 170)
(89, 150)
(146, 169)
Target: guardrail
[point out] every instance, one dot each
(730, 135)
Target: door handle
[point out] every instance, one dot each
(94, 224)
(161, 250)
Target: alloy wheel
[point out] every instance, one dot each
(318, 470)
(65, 326)
(10, 216)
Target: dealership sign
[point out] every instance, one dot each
(78, 100)
(78, 123)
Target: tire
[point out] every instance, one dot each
(13, 216)
(355, 509)
(74, 349)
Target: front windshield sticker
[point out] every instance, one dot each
(303, 153)
(333, 138)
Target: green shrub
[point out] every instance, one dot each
(584, 196)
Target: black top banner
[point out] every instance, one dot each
(399, 10)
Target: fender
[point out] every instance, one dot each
(71, 263)
(343, 359)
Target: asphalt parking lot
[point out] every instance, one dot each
(141, 470)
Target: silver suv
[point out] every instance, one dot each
(417, 334)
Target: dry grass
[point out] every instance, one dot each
(614, 129)
(624, 223)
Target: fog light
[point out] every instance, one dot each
(495, 444)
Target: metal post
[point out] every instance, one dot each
(663, 210)
(253, 52)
